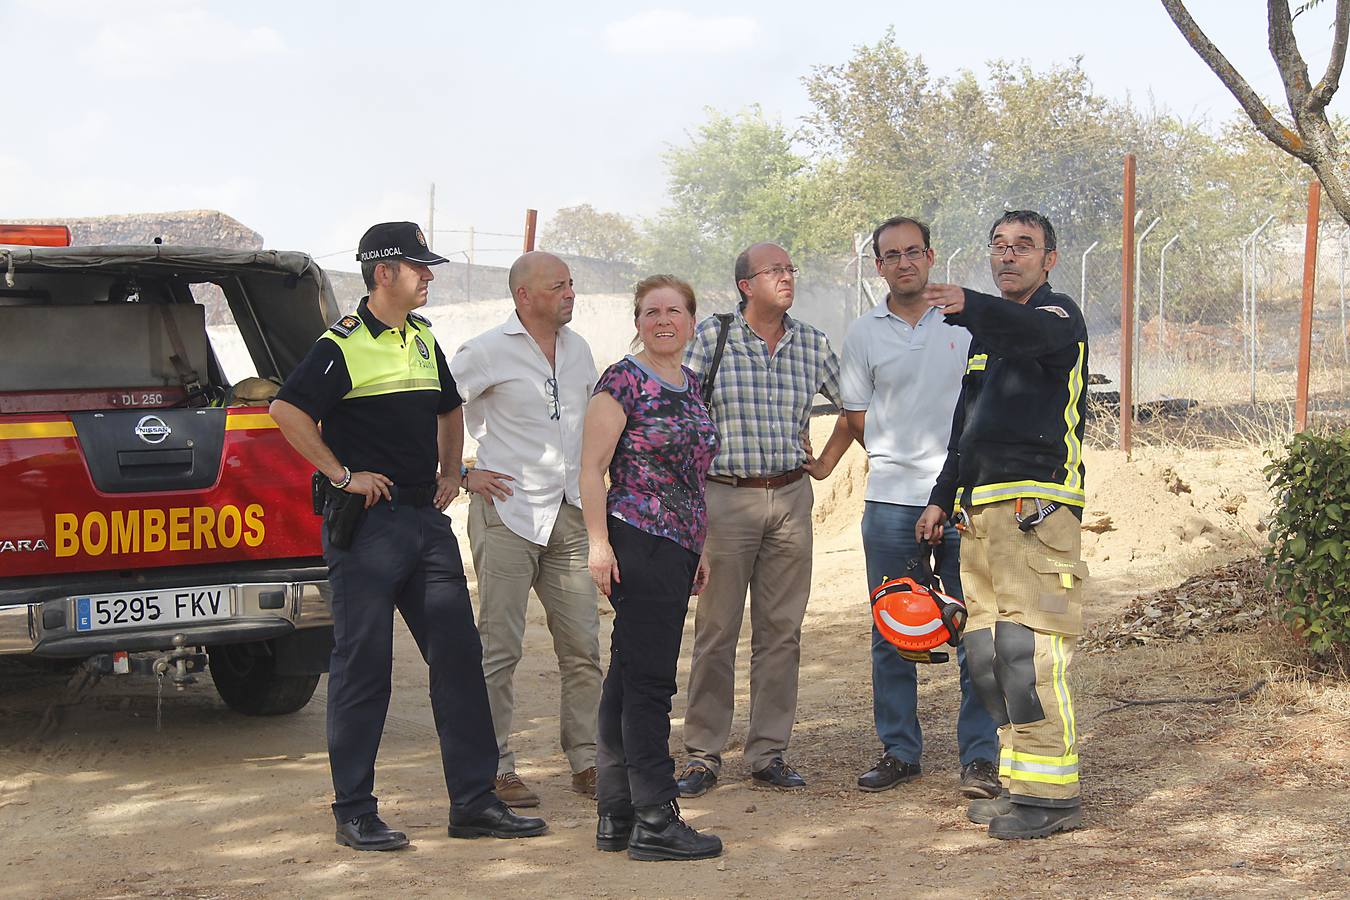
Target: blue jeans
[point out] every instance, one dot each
(888, 543)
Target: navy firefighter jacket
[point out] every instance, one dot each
(1018, 426)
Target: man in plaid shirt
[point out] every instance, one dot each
(759, 518)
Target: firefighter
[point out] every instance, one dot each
(379, 384)
(1016, 458)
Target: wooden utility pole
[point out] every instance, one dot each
(531, 218)
(1127, 312)
(1309, 289)
(431, 219)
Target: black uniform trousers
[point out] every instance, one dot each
(405, 557)
(633, 762)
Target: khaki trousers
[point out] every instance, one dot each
(758, 538)
(508, 566)
(1023, 597)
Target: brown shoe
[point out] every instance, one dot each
(513, 792)
(583, 782)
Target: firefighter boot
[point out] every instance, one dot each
(1026, 821)
(982, 812)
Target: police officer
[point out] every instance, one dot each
(390, 448)
(1016, 456)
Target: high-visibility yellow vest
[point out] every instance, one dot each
(387, 363)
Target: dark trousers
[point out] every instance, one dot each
(406, 558)
(633, 762)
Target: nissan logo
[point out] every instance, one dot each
(152, 430)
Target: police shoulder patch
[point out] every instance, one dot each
(1056, 310)
(420, 320)
(344, 326)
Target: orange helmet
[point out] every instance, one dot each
(915, 617)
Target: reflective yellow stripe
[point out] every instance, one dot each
(977, 363)
(36, 430)
(1066, 762)
(1044, 777)
(393, 387)
(1073, 476)
(1010, 490)
(249, 420)
(1061, 679)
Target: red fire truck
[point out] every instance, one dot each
(149, 522)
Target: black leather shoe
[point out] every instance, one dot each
(780, 775)
(887, 773)
(696, 781)
(660, 834)
(368, 832)
(496, 820)
(979, 780)
(1026, 821)
(612, 833)
(982, 812)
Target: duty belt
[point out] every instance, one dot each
(413, 494)
(766, 481)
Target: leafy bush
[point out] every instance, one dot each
(1310, 537)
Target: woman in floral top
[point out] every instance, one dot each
(647, 426)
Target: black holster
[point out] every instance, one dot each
(342, 514)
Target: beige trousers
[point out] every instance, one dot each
(1023, 597)
(508, 566)
(758, 538)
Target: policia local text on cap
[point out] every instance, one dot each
(390, 449)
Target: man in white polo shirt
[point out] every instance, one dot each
(900, 377)
(525, 385)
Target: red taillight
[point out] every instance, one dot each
(35, 235)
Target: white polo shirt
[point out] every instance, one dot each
(907, 379)
(503, 377)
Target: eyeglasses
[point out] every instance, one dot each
(777, 272)
(554, 410)
(1019, 250)
(893, 258)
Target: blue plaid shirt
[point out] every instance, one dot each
(762, 403)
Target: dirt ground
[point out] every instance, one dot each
(1234, 798)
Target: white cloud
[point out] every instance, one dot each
(673, 31)
(156, 40)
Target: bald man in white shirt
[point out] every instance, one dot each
(526, 385)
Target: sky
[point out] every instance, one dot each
(310, 121)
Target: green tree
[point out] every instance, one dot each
(585, 231)
(737, 182)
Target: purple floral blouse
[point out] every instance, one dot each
(660, 464)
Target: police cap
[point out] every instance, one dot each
(396, 240)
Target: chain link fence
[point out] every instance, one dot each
(1216, 319)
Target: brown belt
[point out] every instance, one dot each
(769, 481)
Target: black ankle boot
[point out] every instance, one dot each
(613, 831)
(659, 833)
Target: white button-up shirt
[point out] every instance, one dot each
(509, 408)
(907, 378)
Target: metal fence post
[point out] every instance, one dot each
(1127, 310)
(1138, 256)
(1251, 318)
(1162, 289)
(1082, 271)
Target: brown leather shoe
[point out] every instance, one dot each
(583, 782)
(513, 792)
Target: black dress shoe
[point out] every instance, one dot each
(979, 780)
(696, 781)
(779, 774)
(1026, 821)
(368, 832)
(496, 820)
(887, 773)
(612, 833)
(659, 833)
